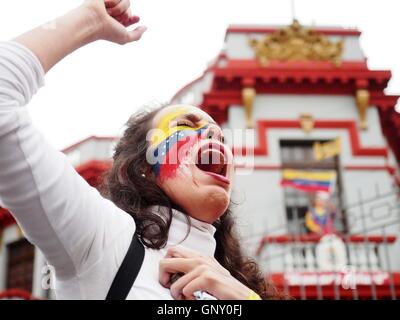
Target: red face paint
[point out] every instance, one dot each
(174, 153)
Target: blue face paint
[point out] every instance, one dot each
(167, 154)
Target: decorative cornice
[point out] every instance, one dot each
(347, 77)
(297, 43)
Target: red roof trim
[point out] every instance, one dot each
(383, 101)
(304, 71)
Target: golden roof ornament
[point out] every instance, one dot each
(307, 122)
(296, 43)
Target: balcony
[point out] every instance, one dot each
(331, 267)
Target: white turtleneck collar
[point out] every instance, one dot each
(200, 236)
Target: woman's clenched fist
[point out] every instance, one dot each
(112, 19)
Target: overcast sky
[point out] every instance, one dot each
(94, 91)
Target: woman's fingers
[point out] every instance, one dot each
(115, 17)
(182, 252)
(119, 8)
(205, 282)
(170, 266)
(123, 18)
(111, 3)
(177, 287)
(198, 274)
(117, 32)
(131, 20)
(136, 34)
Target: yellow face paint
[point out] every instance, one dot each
(163, 128)
(168, 140)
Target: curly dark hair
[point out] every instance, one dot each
(137, 194)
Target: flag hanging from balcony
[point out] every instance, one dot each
(309, 181)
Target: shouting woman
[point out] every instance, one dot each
(160, 189)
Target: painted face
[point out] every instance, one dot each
(190, 161)
(175, 136)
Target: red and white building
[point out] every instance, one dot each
(288, 88)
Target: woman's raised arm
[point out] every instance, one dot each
(93, 20)
(58, 211)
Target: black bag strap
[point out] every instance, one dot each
(127, 272)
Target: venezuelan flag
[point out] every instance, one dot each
(309, 181)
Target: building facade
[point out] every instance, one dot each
(297, 104)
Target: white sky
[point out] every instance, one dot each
(94, 91)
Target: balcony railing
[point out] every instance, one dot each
(363, 263)
(300, 253)
(343, 267)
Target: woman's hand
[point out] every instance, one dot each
(93, 20)
(200, 274)
(113, 17)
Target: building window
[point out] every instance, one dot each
(20, 265)
(299, 155)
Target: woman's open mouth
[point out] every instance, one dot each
(212, 160)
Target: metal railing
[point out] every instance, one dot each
(361, 263)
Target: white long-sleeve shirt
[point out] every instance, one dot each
(83, 236)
